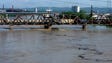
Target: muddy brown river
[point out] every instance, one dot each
(68, 44)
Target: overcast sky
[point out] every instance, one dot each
(52, 3)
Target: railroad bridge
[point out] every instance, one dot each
(46, 18)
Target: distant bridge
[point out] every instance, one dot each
(46, 18)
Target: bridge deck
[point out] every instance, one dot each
(24, 13)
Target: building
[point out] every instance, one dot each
(14, 10)
(2, 10)
(76, 8)
(48, 10)
(36, 10)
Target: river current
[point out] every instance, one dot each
(65, 44)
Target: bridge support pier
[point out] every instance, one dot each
(47, 26)
(84, 26)
(10, 27)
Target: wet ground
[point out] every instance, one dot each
(64, 45)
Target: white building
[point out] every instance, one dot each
(36, 10)
(76, 8)
(2, 10)
(48, 10)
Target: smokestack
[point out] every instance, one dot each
(12, 8)
(3, 7)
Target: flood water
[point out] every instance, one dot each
(64, 45)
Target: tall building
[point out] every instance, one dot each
(76, 8)
(36, 10)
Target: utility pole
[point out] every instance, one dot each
(3, 7)
(91, 13)
(12, 8)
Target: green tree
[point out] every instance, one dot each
(82, 14)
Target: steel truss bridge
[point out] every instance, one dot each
(47, 19)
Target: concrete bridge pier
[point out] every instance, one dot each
(48, 23)
(84, 26)
(10, 27)
(47, 26)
